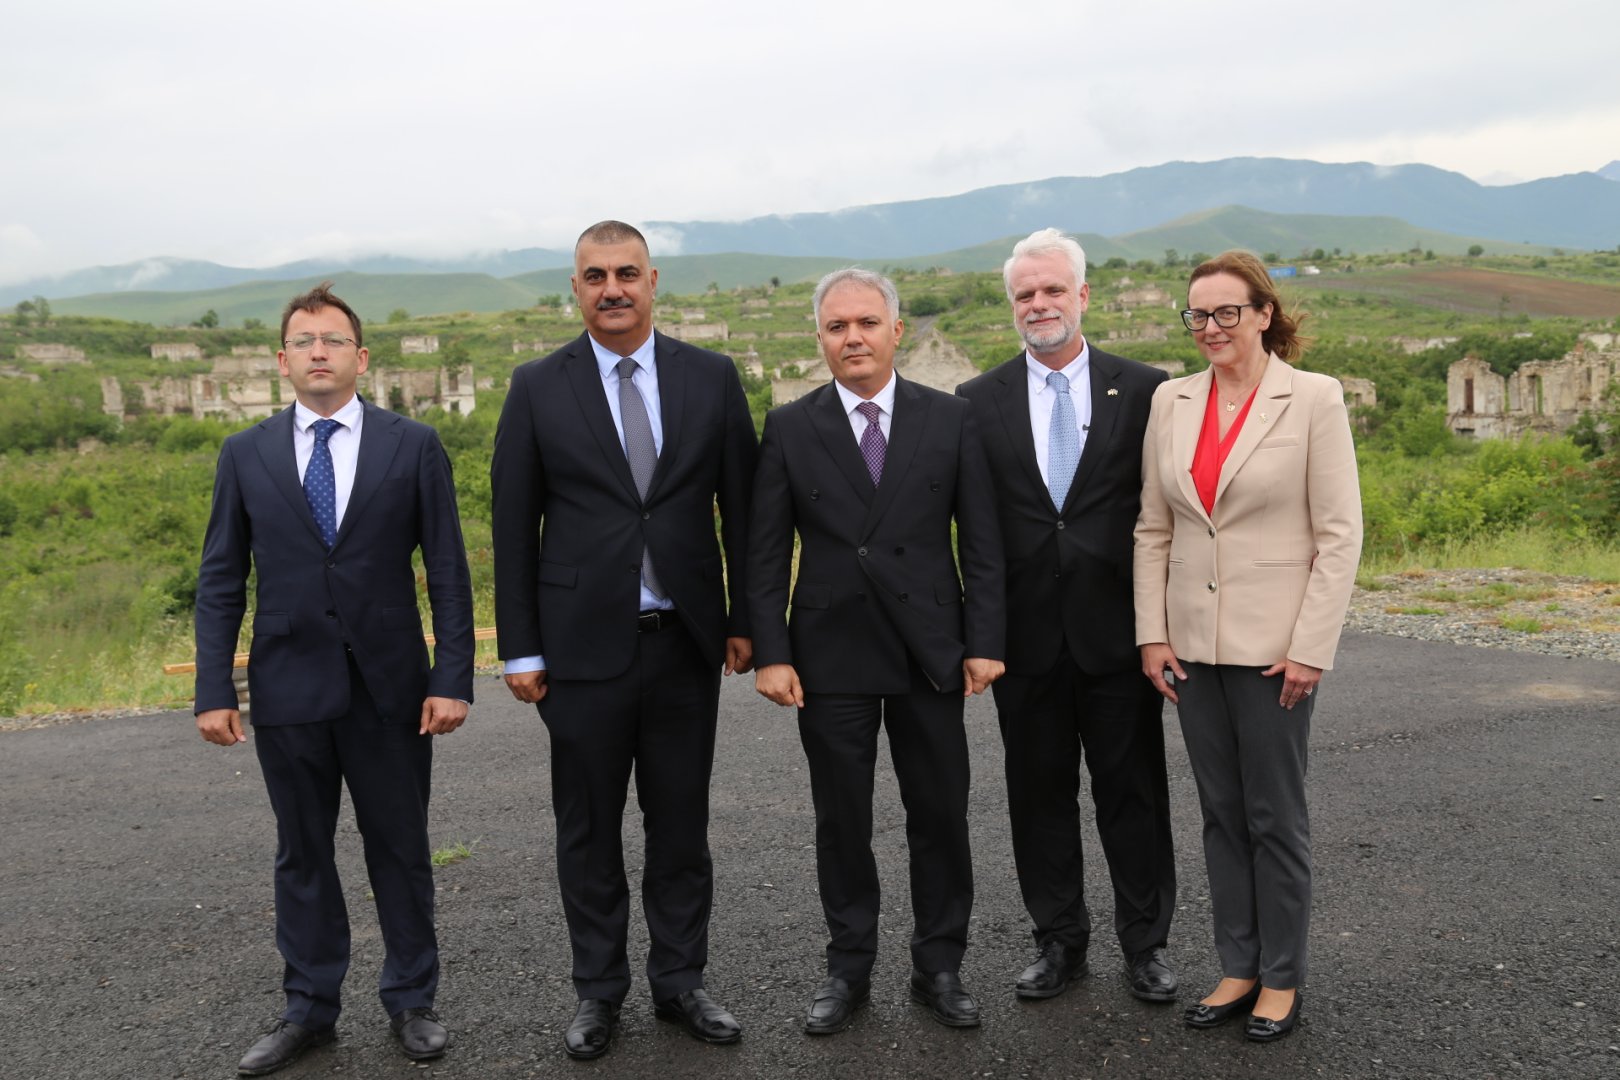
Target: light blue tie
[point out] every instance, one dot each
(1062, 440)
(320, 484)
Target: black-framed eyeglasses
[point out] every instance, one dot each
(305, 342)
(1226, 316)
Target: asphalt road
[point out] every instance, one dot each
(1466, 813)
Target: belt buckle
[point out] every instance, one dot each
(649, 622)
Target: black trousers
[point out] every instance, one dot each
(929, 748)
(388, 769)
(657, 720)
(1049, 723)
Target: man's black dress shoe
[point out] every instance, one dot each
(1208, 1016)
(834, 1005)
(1261, 1029)
(588, 1036)
(700, 1016)
(1149, 975)
(942, 992)
(280, 1047)
(1054, 969)
(420, 1034)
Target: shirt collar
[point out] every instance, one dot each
(884, 397)
(607, 361)
(1074, 370)
(303, 417)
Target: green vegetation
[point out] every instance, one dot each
(453, 854)
(101, 522)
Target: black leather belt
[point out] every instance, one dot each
(650, 622)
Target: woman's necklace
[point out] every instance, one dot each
(1232, 402)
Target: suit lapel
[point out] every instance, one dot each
(1270, 400)
(906, 429)
(585, 378)
(1103, 371)
(832, 425)
(380, 434)
(1013, 406)
(1185, 423)
(672, 373)
(273, 438)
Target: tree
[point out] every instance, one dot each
(209, 320)
(42, 308)
(1270, 257)
(1172, 258)
(1318, 254)
(399, 315)
(24, 311)
(776, 282)
(252, 324)
(1475, 251)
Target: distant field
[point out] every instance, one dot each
(1478, 291)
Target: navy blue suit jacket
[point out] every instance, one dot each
(309, 602)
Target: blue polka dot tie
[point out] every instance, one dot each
(320, 485)
(1062, 440)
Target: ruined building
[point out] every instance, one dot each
(1545, 396)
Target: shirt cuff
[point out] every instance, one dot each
(520, 664)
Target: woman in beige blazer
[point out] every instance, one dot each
(1246, 551)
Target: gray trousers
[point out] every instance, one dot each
(1248, 755)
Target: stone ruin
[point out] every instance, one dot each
(698, 331)
(176, 350)
(237, 390)
(1546, 396)
(51, 353)
(934, 360)
(419, 345)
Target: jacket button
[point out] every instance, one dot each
(861, 552)
(1060, 525)
(331, 564)
(933, 485)
(904, 597)
(1211, 586)
(635, 569)
(815, 493)
(646, 516)
(1212, 530)
(331, 614)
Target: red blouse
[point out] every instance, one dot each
(1210, 456)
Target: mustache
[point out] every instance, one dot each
(609, 305)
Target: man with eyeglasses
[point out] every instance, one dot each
(1063, 424)
(326, 502)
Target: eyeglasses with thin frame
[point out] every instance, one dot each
(1226, 316)
(305, 342)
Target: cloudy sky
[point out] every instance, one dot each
(253, 133)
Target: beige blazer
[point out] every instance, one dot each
(1268, 575)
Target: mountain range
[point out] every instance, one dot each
(1267, 204)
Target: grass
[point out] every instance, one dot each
(1524, 549)
(1419, 610)
(453, 854)
(1524, 624)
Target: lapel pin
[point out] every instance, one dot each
(1263, 418)
(1112, 392)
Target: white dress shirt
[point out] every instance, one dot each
(1041, 397)
(344, 444)
(885, 403)
(645, 380)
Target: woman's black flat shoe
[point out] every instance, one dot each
(1261, 1029)
(1208, 1016)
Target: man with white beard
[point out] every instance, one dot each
(1062, 425)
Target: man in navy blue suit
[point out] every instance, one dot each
(327, 501)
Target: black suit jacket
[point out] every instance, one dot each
(1069, 567)
(310, 602)
(569, 526)
(878, 579)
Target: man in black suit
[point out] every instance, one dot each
(326, 501)
(610, 599)
(871, 471)
(1063, 425)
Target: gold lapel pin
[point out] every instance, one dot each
(1112, 392)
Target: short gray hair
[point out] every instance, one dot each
(1046, 242)
(855, 275)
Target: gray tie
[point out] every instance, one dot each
(641, 452)
(1062, 440)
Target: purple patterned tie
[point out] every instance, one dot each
(873, 446)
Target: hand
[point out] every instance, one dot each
(1157, 657)
(442, 715)
(780, 683)
(529, 686)
(1299, 681)
(222, 726)
(978, 674)
(739, 655)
